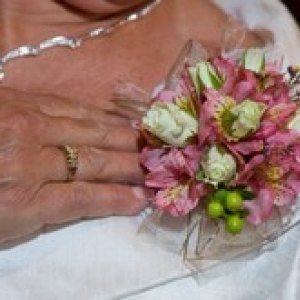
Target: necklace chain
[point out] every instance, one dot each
(75, 42)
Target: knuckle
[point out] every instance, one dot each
(80, 197)
(113, 203)
(104, 135)
(17, 163)
(17, 215)
(22, 164)
(23, 122)
(83, 112)
(94, 160)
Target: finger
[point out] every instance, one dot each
(96, 164)
(60, 203)
(38, 128)
(93, 165)
(50, 164)
(62, 107)
(6, 139)
(20, 165)
(57, 106)
(60, 131)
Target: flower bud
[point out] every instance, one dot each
(218, 165)
(248, 115)
(169, 123)
(205, 75)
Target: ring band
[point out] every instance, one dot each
(71, 154)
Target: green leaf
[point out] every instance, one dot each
(200, 175)
(246, 194)
(244, 213)
(228, 118)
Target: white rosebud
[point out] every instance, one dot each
(218, 165)
(248, 115)
(294, 123)
(170, 123)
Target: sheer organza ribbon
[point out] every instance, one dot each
(201, 241)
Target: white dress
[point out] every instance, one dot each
(106, 259)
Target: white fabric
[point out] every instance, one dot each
(106, 259)
(268, 15)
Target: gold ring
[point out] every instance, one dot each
(71, 154)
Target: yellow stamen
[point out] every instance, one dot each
(185, 104)
(221, 113)
(273, 173)
(174, 192)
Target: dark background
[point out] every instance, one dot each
(294, 7)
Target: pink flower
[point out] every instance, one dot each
(228, 71)
(168, 166)
(171, 172)
(247, 114)
(260, 208)
(179, 200)
(274, 175)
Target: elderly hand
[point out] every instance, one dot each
(33, 170)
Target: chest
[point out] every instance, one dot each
(141, 53)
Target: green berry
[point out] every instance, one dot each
(220, 195)
(215, 210)
(234, 201)
(234, 224)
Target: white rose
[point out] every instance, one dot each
(248, 115)
(170, 123)
(294, 123)
(218, 165)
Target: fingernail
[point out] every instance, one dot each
(142, 193)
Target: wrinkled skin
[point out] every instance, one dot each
(33, 170)
(67, 99)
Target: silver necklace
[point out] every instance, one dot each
(75, 42)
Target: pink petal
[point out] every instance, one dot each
(254, 210)
(180, 206)
(260, 209)
(243, 90)
(249, 169)
(283, 138)
(161, 179)
(249, 147)
(267, 128)
(228, 71)
(213, 100)
(151, 158)
(285, 196)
